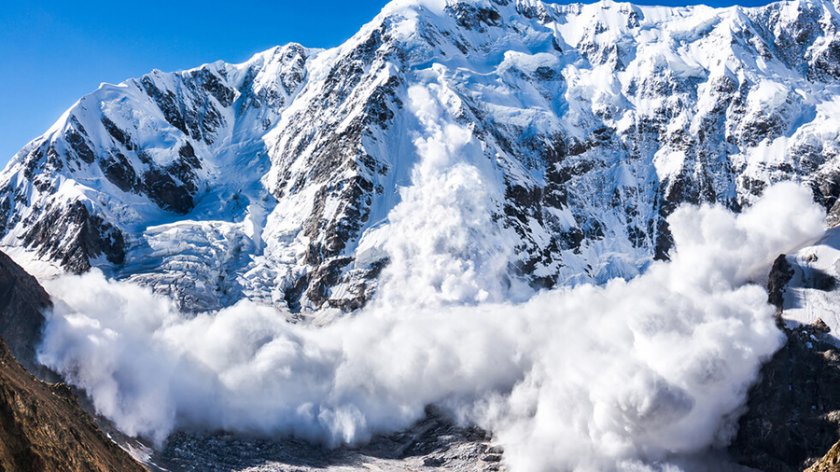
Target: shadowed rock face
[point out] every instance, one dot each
(77, 235)
(793, 414)
(780, 275)
(22, 304)
(42, 427)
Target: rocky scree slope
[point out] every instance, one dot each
(434, 444)
(42, 426)
(294, 178)
(23, 303)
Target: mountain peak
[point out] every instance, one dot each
(282, 178)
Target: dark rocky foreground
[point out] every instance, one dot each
(22, 304)
(43, 428)
(793, 413)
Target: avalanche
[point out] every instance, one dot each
(590, 378)
(550, 221)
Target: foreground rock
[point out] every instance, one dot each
(829, 463)
(793, 414)
(22, 304)
(42, 427)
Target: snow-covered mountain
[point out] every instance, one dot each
(546, 142)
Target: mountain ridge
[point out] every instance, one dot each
(281, 179)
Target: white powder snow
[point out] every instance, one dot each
(583, 379)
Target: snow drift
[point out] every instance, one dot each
(617, 376)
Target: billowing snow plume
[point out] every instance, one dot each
(589, 378)
(441, 239)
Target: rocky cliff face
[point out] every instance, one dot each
(793, 414)
(22, 305)
(278, 179)
(43, 428)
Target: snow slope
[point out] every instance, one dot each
(546, 143)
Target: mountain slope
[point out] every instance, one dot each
(542, 142)
(43, 428)
(23, 303)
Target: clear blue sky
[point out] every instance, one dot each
(54, 51)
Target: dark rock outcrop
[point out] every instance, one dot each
(22, 304)
(780, 275)
(74, 235)
(42, 427)
(793, 414)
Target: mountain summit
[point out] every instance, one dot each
(544, 142)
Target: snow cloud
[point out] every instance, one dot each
(579, 378)
(587, 378)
